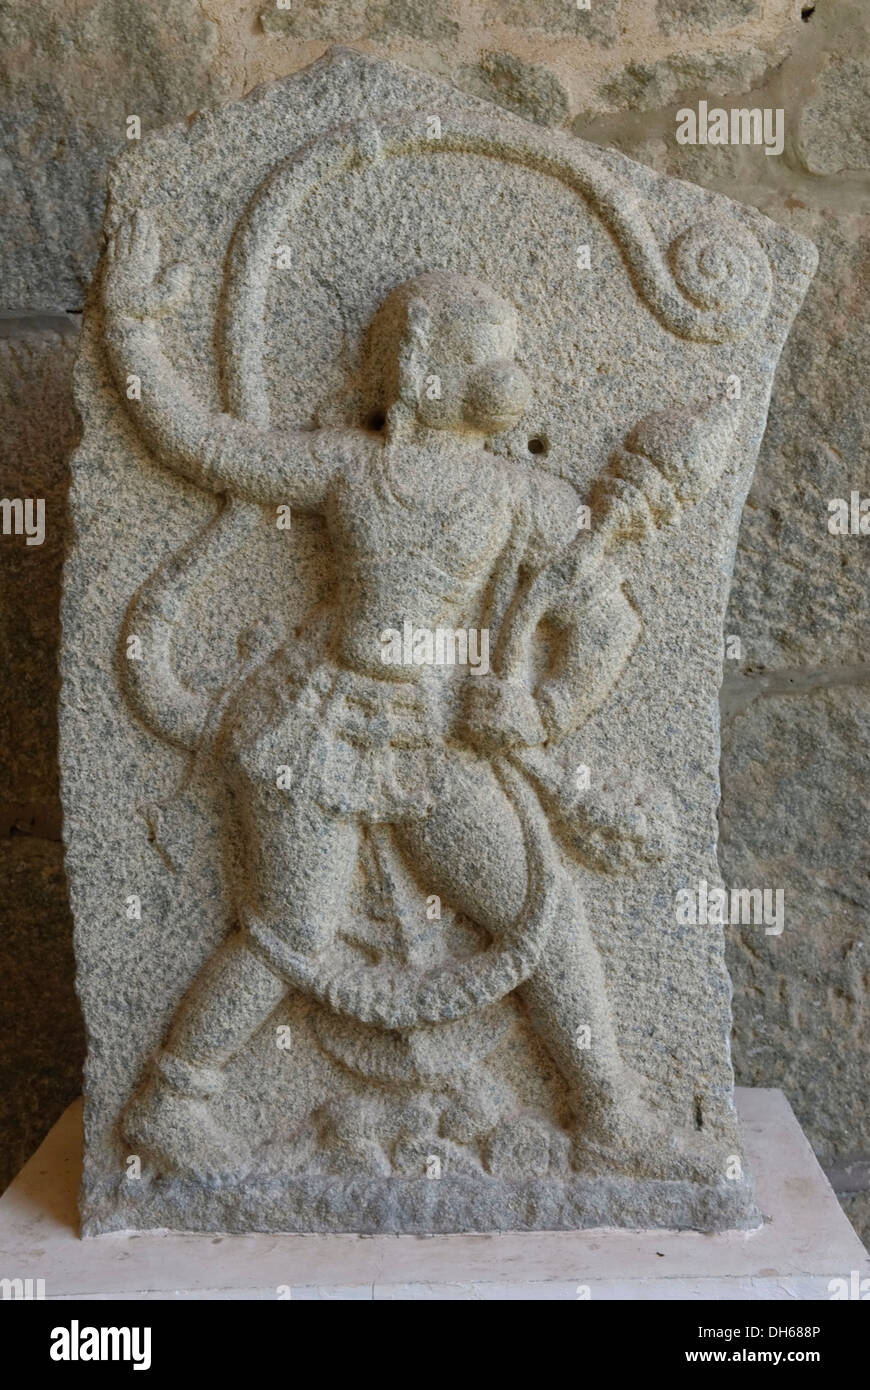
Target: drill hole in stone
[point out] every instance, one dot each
(538, 445)
(376, 421)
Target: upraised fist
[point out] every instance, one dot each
(134, 284)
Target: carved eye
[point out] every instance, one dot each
(376, 421)
(538, 444)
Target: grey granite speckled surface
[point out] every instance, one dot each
(362, 296)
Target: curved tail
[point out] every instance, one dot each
(161, 700)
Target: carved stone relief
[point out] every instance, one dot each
(405, 514)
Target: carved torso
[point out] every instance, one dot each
(417, 540)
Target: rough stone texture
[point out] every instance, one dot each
(793, 620)
(529, 89)
(833, 130)
(362, 370)
(599, 24)
(795, 804)
(800, 597)
(805, 1242)
(675, 16)
(646, 86)
(42, 1041)
(70, 75)
(419, 19)
(546, 59)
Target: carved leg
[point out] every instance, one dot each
(470, 851)
(229, 1000)
(567, 1005)
(566, 1001)
(309, 856)
(300, 861)
(170, 1116)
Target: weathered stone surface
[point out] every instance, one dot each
(678, 16)
(298, 1039)
(800, 598)
(529, 89)
(42, 1038)
(70, 75)
(801, 594)
(599, 23)
(38, 428)
(431, 20)
(834, 132)
(795, 810)
(645, 86)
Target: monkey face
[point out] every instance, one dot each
(469, 380)
(442, 348)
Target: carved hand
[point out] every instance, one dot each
(498, 715)
(619, 827)
(134, 284)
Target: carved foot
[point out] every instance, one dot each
(640, 1145)
(180, 1133)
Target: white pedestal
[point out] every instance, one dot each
(806, 1241)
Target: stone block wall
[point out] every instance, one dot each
(796, 693)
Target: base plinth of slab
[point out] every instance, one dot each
(804, 1243)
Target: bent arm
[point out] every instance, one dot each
(216, 451)
(670, 460)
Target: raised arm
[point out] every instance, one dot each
(213, 450)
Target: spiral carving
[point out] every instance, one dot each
(721, 268)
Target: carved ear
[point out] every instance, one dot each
(690, 448)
